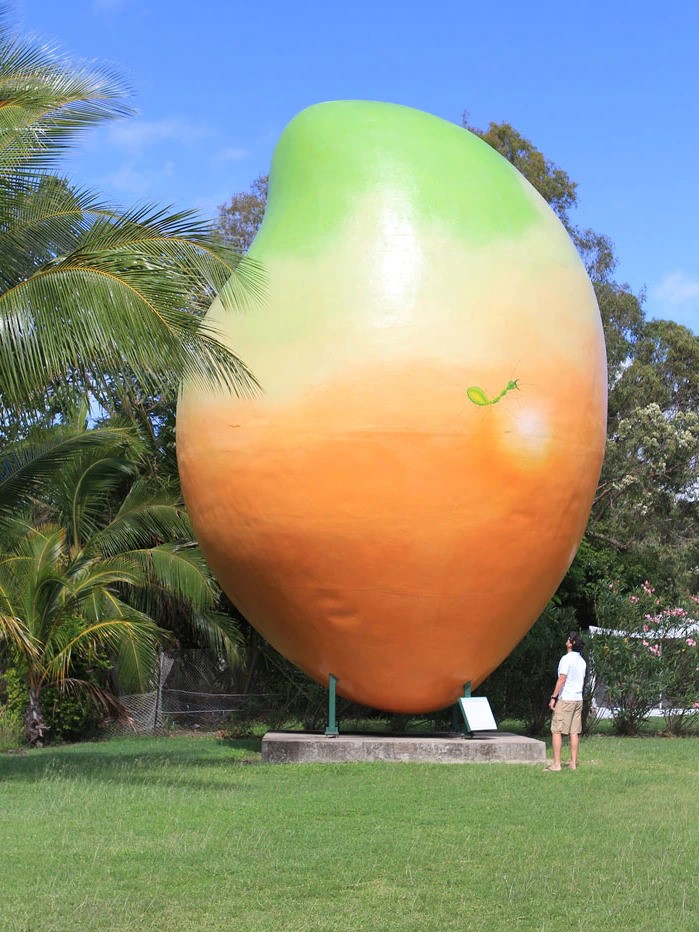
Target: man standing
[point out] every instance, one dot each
(566, 702)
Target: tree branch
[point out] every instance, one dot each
(602, 538)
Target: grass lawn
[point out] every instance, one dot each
(193, 834)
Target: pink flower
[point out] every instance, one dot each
(645, 643)
(691, 642)
(633, 598)
(646, 628)
(654, 649)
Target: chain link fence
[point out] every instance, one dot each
(193, 689)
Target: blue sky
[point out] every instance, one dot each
(607, 90)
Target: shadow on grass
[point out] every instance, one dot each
(165, 761)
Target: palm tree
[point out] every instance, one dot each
(93, 567)
(90, 296)
(105, 306)
(110, 510)
(56, 607)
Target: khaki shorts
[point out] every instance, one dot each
(567, 717)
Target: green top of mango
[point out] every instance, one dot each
(439, 175)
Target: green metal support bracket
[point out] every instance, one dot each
(332, 731)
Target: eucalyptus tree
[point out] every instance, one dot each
(239, 219)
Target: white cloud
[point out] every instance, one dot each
(676, 298)
(677, 288)
(234, 154)
(109, 6)
(208, 204)
(136, 182)
(129, 180)
(138, 135)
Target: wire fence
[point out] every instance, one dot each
(193, 689)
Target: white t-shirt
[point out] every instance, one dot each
(573, 665)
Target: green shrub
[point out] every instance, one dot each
(13, 700)
(70, 716)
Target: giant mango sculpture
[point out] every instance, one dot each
(405, 496)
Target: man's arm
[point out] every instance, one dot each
(557, 689)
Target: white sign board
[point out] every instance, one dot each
(478, 714)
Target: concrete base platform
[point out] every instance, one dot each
(283, 747)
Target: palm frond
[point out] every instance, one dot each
(41, 218)
(99, 582)
(132, 638)
(147, 516)
(179, 572)
(45, 102)
(85, 489)
(33, 575)
(182, 573)
(14, 632)
(220, 632)
(26, 467)
(119, 309)
(87, 291)
(101, 697)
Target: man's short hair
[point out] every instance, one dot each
(576, 642)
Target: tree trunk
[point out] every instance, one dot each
(34, 721)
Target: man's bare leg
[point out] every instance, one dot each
(556, 744)
(574, 745)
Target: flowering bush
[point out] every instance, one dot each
(646, 656)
